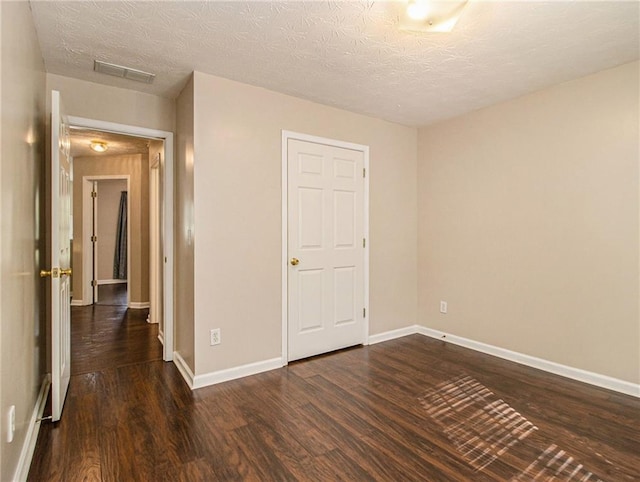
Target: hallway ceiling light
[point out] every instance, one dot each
(124, 72)
(417, 10)
(432, 16)
(99, 146)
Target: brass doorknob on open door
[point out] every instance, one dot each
(55, 272)
(294, 261)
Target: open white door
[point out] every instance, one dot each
(60, 273)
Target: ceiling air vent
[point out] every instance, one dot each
(124, 72)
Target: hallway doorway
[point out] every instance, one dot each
(106, 238)
(153, 223)
(112, 251)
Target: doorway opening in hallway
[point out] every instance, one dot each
(116, 287)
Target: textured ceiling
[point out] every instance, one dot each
(348, 54)
(118, 145)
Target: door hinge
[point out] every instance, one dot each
(364, 242)
(94, 283)
(94, 239)
(364, 172)
(364, 312)
(94, 194)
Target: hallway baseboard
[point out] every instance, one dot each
(29, 445)
(136, 305)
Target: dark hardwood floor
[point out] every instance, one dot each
(113, 294)
(109, 336)
(404, 410)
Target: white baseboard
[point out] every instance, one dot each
(135, 305)
(393, 334)
(220, 376)
(149, 320)
(183, 368)
(111, 281)
(161, 337)
(79, 303)
(578, 374)
(29, 445)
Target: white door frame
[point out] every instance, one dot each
(286, 135)
(167, 211)
(88, 262)
(154, 244)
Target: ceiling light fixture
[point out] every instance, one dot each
(431, 16)
(99, 146)
(417, 9)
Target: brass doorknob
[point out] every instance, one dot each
(66, 272)
(44, 273)
(294, 261)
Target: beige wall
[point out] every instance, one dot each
(109, 194)
(529, 223)
(183, 241)
(137, 167)
(22, 318)
(237, 216)
(112, 104)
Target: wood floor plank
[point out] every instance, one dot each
(367, 413)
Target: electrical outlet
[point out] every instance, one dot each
(215, 336)
(443, 307)
(11, 423)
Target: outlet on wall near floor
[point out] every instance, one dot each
(443, 307)
(11, 423)
(215, 336)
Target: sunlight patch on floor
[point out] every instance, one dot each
(555, 464)
(480, 425)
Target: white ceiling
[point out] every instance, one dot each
(347, 54)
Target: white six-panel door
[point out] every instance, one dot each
(61, 225)
(326, 293)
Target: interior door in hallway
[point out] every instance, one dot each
(325, 248)
(60, 272)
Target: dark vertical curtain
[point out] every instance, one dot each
(120, 256)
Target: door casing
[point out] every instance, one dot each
(284, 262)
